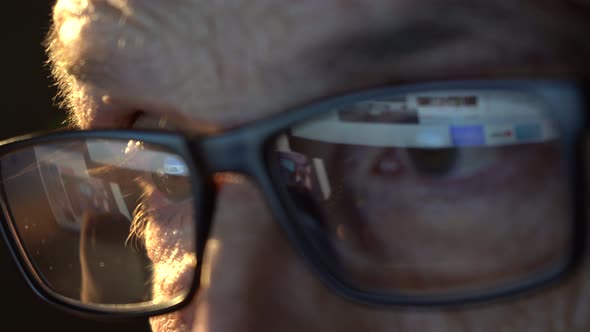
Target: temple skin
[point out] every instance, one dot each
(210, 66)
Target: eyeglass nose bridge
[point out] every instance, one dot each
(237, 151)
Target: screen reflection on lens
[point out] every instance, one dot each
(83, 222)
(423, 193)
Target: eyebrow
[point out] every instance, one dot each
(383, 43)
(503, 26)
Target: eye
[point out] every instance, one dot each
(152, 121)
(433, 162)
(426, 192)
(437, 164)
(171, 180)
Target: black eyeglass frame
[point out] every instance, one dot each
(246, 150)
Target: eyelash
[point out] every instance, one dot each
(131, 120)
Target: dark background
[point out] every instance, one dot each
(27, 99)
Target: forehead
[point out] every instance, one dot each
(234, 61)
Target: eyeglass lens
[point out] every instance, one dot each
(433, 192)
(84, 210)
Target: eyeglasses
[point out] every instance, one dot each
(421, 195)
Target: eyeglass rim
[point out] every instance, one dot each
(572, 155)
(251, 142)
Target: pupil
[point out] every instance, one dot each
(433, 162)
(174, 187)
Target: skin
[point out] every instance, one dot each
(210, 66)
(449, 229)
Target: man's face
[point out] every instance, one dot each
(211, 66)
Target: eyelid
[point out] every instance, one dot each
(145, 120)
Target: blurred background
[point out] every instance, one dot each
(28, 106)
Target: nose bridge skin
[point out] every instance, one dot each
(249, 272)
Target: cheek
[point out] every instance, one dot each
(562, 308)
(311, 309)
(416, 234)
(402, 214)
